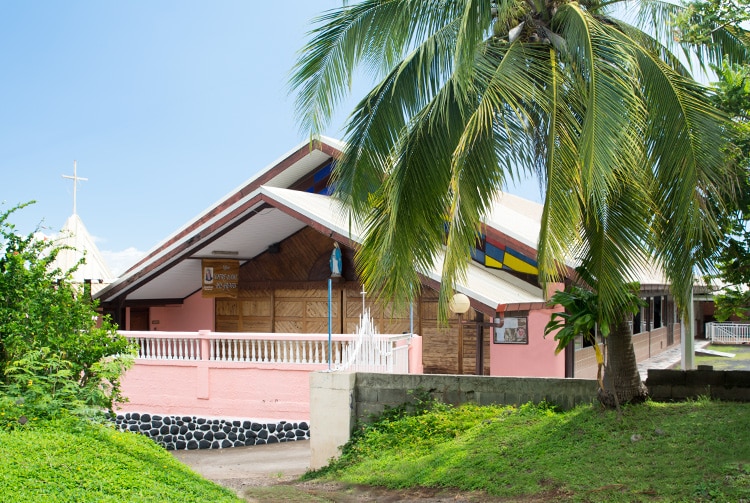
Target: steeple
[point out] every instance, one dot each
(77, 243)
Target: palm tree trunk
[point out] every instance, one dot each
(622, 382)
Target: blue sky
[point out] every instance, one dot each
(166, 106)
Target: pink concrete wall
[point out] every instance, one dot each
(195, 313)
(219, 389)
(230, 379)
(415, 355)
(535, 359)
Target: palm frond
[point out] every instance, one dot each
(685, 136)
(612, 114)
(375, 34)
(559, 233)
(404, 232)
(375, 124)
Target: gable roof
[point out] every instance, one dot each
(266, 209)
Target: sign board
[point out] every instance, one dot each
(513, 331)
(220, 278)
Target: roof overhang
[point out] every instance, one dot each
(262, 212)
(267, 216)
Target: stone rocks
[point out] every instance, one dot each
(186, 432)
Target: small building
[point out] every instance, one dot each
(260, 259)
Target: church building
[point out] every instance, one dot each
(260, 260)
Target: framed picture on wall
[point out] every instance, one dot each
(513, 331)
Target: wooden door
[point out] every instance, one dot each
(139, 319)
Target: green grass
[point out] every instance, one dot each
(741, 360)
(694, 451)
(95, 464)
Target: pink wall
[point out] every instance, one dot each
(243, 376)
(195, 313)
(219, 389)
(415, 355)
(535, 359)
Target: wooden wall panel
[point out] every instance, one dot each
(261, 326)
(303, 256)
(387, 319)
(226, 307)
(305, 311)
(288, 326)
(287, 292)
(439, 350)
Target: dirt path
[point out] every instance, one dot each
(270, 474)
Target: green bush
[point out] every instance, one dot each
(58, 356)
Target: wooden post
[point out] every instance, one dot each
(480, 344)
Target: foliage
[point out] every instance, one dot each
(701, 19)
(579, 318)
(698, 24)
(733, 257)
(421, 403)
(581, 314)
(474, 94)
(57, 356)
(667, 452)
(65, 461)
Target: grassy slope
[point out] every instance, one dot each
(697, 451)
(96, 464)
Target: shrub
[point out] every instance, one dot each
(58, 356)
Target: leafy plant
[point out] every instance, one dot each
(57, 354)
(582, 317)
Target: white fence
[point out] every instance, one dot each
(728, 333)
(380, 353)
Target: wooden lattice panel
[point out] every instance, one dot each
(263, 326)
(316, 327)
(226, 307)
(289, 309)
(256, 308)
(227, 324)
(289, 326)
(319, 309)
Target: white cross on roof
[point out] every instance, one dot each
(75, 179)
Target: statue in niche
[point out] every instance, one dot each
(335, 261)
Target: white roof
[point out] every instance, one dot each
(77, 244)
(290, 211)
(516, 217)
(491, 288)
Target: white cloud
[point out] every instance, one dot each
(121, 261)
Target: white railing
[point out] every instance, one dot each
(308, 349)
(372, 352)
(728, 333)
(388, 353)
(172, 346)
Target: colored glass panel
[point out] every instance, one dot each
(491, 262)
(515, 263)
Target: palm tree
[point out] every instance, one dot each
(474, 93)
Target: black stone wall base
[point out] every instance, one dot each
(191, 432)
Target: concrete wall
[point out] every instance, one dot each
(338, 399)
(218, 389)
(668, 385)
